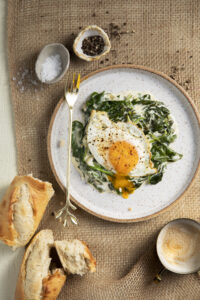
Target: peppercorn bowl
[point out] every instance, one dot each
(91, 43)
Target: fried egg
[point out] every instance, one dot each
(121, 148)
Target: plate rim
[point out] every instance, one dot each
(124, 66)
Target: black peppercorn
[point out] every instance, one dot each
(93, 45)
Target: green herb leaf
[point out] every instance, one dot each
(98, 167)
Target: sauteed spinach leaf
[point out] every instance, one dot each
(77, 137)
(118, 111)
(153, 118)
(95, 174)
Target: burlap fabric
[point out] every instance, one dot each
(163, 35)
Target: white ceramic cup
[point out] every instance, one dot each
(178, 247)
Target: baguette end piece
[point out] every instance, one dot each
(22, 208)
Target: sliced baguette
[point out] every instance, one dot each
(36, 281)
(22, 208)
(75, 257)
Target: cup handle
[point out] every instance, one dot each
(158, 277)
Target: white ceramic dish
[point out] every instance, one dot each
(148, 200)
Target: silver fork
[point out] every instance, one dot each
(71, 94)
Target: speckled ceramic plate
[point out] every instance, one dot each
(149, 200)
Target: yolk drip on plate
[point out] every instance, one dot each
(123, 157)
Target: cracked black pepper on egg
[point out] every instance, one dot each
(93, 45)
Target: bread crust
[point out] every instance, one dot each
(51, 285)
(90, 258)
(19, 293)
(29, 280)
(39, 195)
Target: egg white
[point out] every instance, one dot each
(101, 133)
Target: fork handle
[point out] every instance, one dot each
(69, 159)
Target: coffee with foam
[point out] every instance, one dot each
(178, 246)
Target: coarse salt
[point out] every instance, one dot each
(51, 68)
(25, 80)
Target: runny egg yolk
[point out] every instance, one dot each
(123, 157)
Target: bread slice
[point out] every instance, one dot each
(22, 208)
(75, 257)
(41, 274)
(36, 281)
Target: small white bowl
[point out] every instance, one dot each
(188, 232)
(50, 50)
(90, 31)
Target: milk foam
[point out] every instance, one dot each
(178, 246)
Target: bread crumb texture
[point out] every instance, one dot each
(75, 257)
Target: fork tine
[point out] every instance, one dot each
(72, 83)
(68, 85)
(73, 86)
(78, 82)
